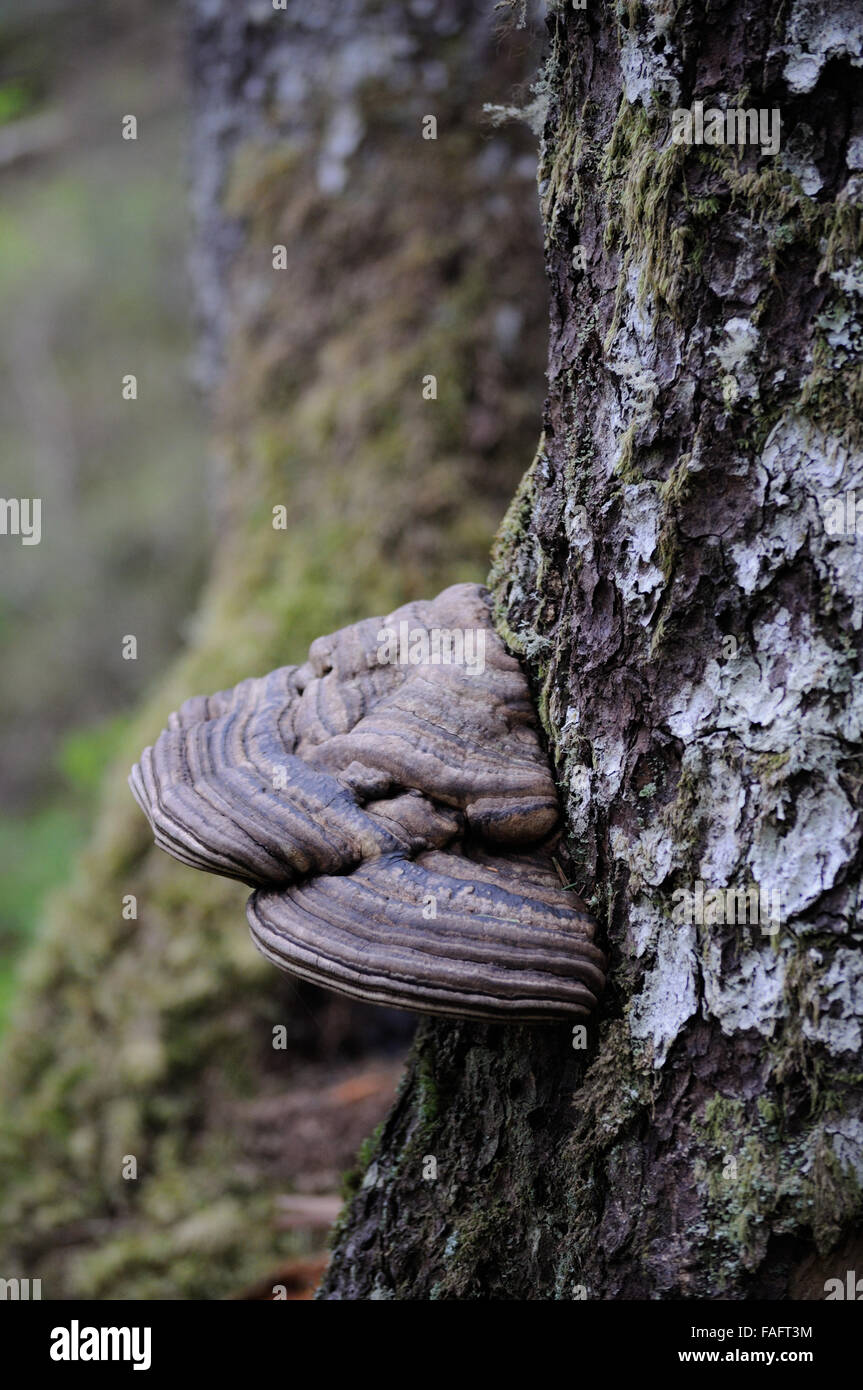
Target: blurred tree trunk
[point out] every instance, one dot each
(671, 574)
(153, 1035)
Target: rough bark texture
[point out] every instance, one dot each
(692, 632)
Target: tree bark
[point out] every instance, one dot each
(671, 574)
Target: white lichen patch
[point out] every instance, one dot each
(632, 354)
(645, 923)
(609, 755)
(816, 33)
(794, 662)
(578, 530)
(802, 469)
(649, 857)
(762, 729)
(650, 66)
(849, 278)
(670, 994)
(720, 860)
(746, 992)
(639, 579)
(696, 709)
(741, 340)
(634, 360)
(579, 784)
(733, 354)
(805, 859)
(842, 329)
(844, 1133)
(837, 1019)
(779, 702)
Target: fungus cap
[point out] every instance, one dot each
(391, 806)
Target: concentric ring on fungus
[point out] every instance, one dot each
(395, 815)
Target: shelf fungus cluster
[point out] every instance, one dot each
(391, 806)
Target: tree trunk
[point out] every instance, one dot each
(686, 594)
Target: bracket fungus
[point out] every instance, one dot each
(391, 806)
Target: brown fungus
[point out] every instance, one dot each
(391, 805)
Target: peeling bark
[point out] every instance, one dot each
(671, 574)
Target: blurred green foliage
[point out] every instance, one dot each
(15, 99)
(37, 850)
(36, 855)
(91, 287)
(93, 237)
(85, 753)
